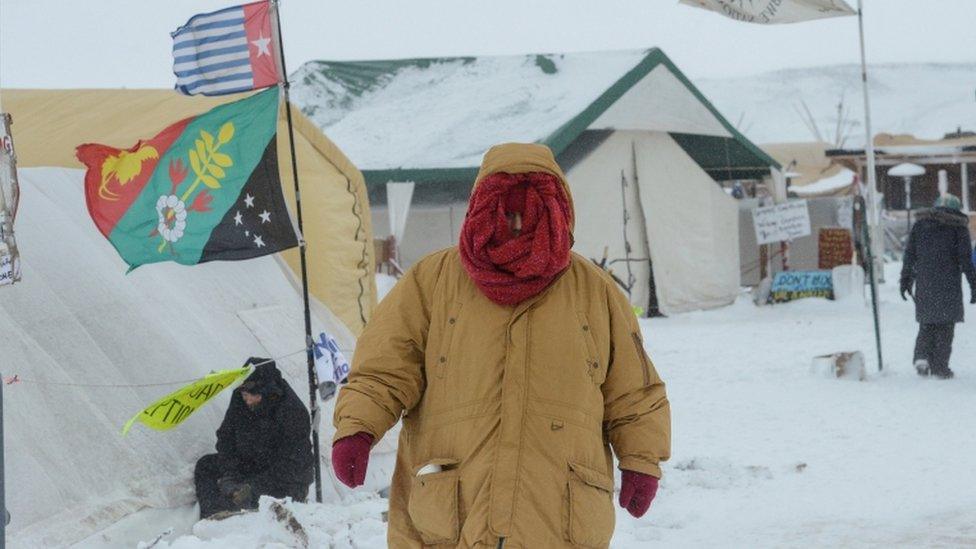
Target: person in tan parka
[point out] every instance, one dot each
(515, 366)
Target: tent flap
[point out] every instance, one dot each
(692, 226)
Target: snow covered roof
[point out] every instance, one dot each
(433, 119)
(828, 186)
(955, 149)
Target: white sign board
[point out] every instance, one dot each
(769, 12)
(787, 221)
(7, 271)
(330, 363)
(9, 196)
(845, 213)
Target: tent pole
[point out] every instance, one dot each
(653, 306)
(964, 177)
(3, 487)
(873, 217)
(309, 348)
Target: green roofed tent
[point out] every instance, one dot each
(608, 115)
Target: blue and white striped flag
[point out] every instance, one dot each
(228, 51)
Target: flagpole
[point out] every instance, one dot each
(309, 353)
(873, 217)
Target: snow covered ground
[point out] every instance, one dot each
(766, 454)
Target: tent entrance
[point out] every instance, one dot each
(637, 262)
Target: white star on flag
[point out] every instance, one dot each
(262, 45)
(258, 242)
(249, 200)
(265, 217)
(237, 219)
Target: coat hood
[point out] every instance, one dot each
(524, 158)
(265, 380)
(944, 216)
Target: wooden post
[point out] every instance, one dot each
(763, 261)
(309, 345)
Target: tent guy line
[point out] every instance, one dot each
(17, 379)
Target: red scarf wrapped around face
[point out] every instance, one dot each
(506, 267)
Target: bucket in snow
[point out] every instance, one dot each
(848, 281)
(848, 366)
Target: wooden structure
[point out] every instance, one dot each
(952, 155)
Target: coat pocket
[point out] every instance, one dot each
(591, 518)
(433, 504)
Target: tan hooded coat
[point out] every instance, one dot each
(519, 405)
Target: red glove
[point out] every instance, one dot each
(637, 490)
(349, 458)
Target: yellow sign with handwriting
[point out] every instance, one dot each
(174, 408)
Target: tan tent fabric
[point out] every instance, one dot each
(899, 140)
(810, 161)
(807, 159)
(49, 124)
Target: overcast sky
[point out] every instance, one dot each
(125, 43)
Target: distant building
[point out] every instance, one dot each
(954, 155)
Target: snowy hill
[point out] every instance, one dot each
(928, 100)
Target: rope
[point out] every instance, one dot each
(17, 379)
(755, 265)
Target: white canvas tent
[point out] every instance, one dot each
(81, 335)
(607, 114)
(89, 342)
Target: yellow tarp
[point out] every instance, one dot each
(49, 124)
(174, 408)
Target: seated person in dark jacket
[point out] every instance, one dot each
(263, 446)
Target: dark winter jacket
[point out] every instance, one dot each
(938, 254)
(269, 446)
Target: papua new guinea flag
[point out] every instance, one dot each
(206, 188)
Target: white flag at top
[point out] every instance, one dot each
(770, 12)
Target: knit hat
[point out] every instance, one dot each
(950, 201)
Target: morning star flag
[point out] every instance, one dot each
(769, 12)
(227, 51)
(206, 188)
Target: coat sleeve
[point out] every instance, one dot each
(965, 254)
(387, 372)
(289, 460)
(908, 261)
(637, 415)
(227, 456)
